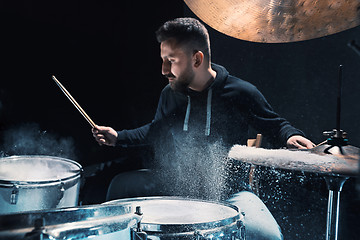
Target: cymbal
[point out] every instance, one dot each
(277, 21)
(315, 160)
(347, 152)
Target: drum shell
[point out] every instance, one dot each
(18, 196)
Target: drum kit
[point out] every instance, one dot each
(129, 219)
(43, 205)
(39, 196)
(41, 202)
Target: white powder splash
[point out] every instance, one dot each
(29, 139)
(292, 195)
(37, 168)
(197, 170)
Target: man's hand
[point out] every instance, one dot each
(299, 142)
(105, 135)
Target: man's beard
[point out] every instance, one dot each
(181, 84)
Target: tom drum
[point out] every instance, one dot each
(38, 182)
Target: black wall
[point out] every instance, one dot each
(104, 52)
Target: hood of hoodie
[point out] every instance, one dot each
(218, 83)
(221, 76)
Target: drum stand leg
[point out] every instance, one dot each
(334, 185)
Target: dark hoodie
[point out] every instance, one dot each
(222, 112)
(192, 133)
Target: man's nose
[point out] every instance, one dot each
(165, 68)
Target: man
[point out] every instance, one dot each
(202, 112)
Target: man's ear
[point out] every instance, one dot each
(198, 58)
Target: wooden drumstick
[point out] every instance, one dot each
(73, 101)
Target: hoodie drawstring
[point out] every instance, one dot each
(208, 113)
(187, 116)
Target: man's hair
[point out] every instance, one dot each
(187, 32)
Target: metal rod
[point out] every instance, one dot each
(332, 224)
(338, 112)
(334, 185)
(73, 101)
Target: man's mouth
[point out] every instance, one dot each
(170, 77)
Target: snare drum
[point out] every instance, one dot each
(167, 218)
(38, 182)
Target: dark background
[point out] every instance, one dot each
(105, 53)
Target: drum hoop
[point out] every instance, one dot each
(177, 228)
(57, 216)
(35, 184)
(180, 228)
(193, 232)
(11, 183)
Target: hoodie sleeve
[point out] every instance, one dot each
(145, 135)
(133, 137)
(262, 118)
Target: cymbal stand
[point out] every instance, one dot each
(337, 139)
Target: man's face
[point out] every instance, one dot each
(176, 66)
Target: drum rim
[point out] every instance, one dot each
(11, 183)
(58, 216)
(182, 228)
(70, 222)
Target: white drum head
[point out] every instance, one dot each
(173, 214)
(37, 168)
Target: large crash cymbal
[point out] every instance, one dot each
(323, 159)
(277, 21)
